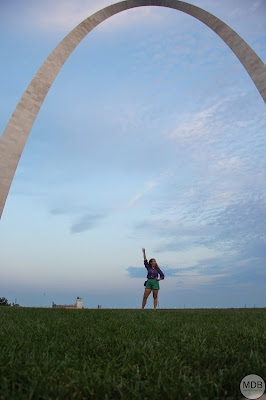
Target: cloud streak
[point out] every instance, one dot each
(87, 222)
(137, 272)
(230, 228)
(64, 15)
(148, 186)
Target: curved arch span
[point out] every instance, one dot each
(18, 128)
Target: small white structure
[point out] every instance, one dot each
(78, 304)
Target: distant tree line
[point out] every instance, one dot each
(4, 302)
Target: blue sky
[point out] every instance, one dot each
(152, 135)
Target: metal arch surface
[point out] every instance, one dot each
(16, 133)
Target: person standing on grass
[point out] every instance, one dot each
(152, 283)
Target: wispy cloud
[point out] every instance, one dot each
(196, 127)
(148, 186)
(64, 15)
(137, 196)
(137, 272)
(84, 220)
(229, 228)
(87, 222)
(232, 270)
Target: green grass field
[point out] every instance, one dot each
(129, 354)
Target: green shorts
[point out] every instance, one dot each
(152, 284)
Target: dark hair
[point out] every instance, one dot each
(156, 266)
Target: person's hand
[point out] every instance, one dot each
(158, 279)
(143, 250)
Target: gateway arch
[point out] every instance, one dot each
(18, 128)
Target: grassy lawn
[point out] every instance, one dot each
(129, 354)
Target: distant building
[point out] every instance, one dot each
(78, 304)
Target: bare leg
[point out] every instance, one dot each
(145, 296)
(155, 297)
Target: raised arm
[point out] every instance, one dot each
(145, 259)
(144, 254)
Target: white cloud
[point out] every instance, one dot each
(256, 4)
(228, 163)
(222, 199)
(193, 280)
(202, 127)
(195, 126)
(149, 185)
(138, 195)
(243, 124)
(64, 15)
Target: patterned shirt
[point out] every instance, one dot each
(152, 273)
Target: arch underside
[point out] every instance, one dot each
(19, 126)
